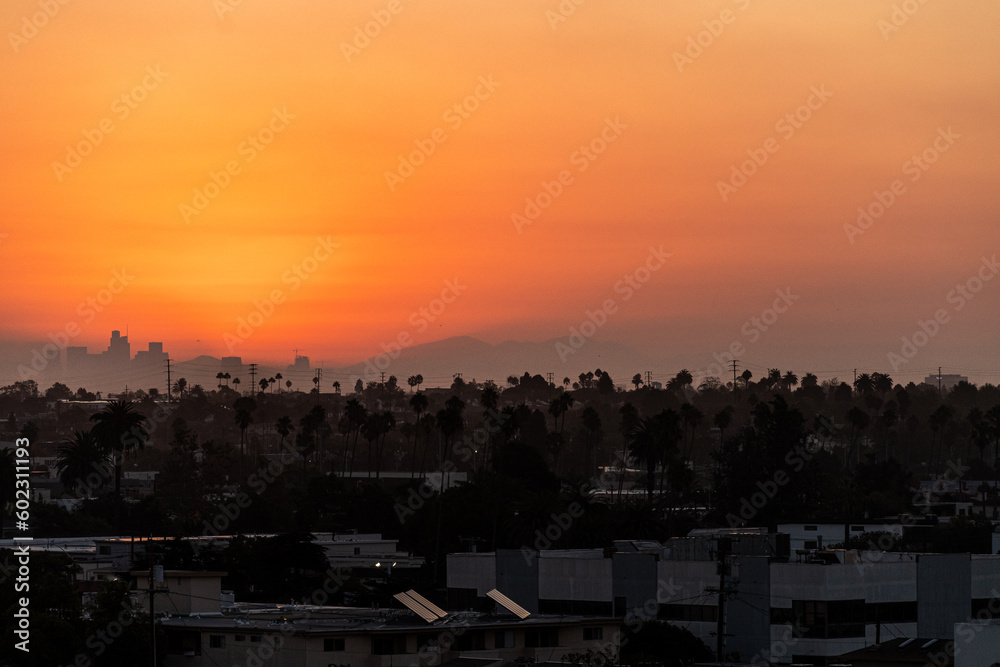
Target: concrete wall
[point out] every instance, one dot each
(634, 578)
(571, 578)
(944, 585)
(517, 577)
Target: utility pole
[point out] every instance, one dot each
(939, 379)
(649, 379)
(733, 362)
(550, 378)
(168, 380)
(155, 577)
(855, 378)
(253, 384)
(724, 545)
(319, 378)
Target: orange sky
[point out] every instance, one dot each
(344, 120)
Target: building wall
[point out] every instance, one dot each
(571, 578)
(517, 577)
(748, 613)
(634, 579)
(472, 571)
(944, 587)
(977, 644)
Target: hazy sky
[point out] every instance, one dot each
(184, 163)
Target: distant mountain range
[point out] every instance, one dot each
(437, 362)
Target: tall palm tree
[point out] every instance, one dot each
(644, 447)
(881, 383)
(236, 382)
(336, 387)
(630, 419)
(418, 403)
(244, 407)
(277, 378)
(558, 407)
(691, 417)
(120, 428)
(180, 386)
(356, 415)
(637, 380)
(283, 426)
(219, 376)
(288, 385)
(863, 384)
(77, 458)
(745, 376)
(789, 380)
(592, 425)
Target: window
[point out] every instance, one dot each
(331, 644)
(504, 639)
(470, 641)
(216, 641)
(593, 634)
(689, 612)
(357, 551)
(833, 619)
(104, 550)
(388, 644)
(241, 638)
(255, 639)
(541, 638)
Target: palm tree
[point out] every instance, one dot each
(939, 419)
(226, 376)
(283, 426)
(270, 382)
(644, 447)
(77, 458)
(278, 377)
(263, 382)
(219, 376)
(244, 407)
(789, 380)
(592, 424)
(881, 383)
(356, 415)
(723, 418)
(863, 384)
(180, 386)
(566, 382)
(559, 406)
(691, 417)
(236, 382)
(512, 380)
(858, 419)
(288, 385)
(809, 380)
(630, 419)
(120, 429)
(336, 387)
(746, 375)
(412, 381)
(637, 380)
